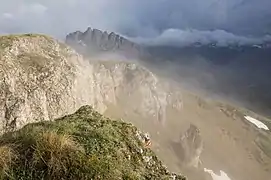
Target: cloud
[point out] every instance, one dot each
(7, 16)
(25, 10)
(138, 18)
(177, 37)
(22, 17)
(35, 8)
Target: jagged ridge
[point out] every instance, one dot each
(94, 41)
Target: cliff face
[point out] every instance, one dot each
(35, 77)
(42, 79)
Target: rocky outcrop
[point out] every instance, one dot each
(42, 79)
(192, 146)
(94, 41)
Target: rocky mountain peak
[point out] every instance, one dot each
(95, 41)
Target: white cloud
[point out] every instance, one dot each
(7, 16)
(36, 8)
(26, 10)
(179, 37)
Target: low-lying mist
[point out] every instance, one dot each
(243, 85)
(222, 82)
(236, 73)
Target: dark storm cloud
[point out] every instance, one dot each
(162, 21)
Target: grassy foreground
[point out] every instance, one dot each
(84, 145)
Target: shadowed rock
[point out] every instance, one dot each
(192, 146)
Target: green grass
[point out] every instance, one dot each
(84, 145)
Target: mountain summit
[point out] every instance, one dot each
(94, 41)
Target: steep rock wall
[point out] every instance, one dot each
(42, 79)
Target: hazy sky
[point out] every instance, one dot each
(159, 20)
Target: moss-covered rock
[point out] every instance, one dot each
(83, 145)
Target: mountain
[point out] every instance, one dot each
(82, 145)
(42, 79)
(236, 71)
(233, 77)
(94, 41)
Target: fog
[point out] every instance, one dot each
(155, 21)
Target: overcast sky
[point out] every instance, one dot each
(160, 20)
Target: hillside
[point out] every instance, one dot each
(83, 145)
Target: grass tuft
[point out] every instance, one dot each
(54, 151)
(7, 156)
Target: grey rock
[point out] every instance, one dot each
(192, 146)
(98, 41)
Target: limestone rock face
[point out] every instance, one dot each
(42, 79)
(39, 79)
(192, 146)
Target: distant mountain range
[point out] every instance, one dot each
(240, 72)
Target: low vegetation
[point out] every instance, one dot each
(84, 145)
